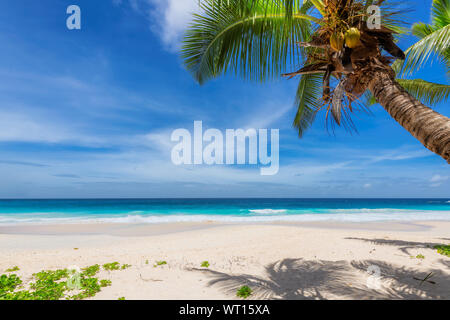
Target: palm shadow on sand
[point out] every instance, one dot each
(298, 279)
(404, 246)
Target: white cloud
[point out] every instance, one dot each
(169, 19)
(399, 155)
(35, 128)
(159, 140)
(367, 185)
(17, 127)
(437, 180)
(267, 116)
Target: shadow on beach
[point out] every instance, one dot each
(298, 279)
(404, 246)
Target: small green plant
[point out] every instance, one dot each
(49, 284)
(12, 269)
(420, 256)
(9, 283)
(146, 261)
(121, 298)
(244, 292)
(160, 263)
(105, 283)
(115, 266)
(443, 249)
(205, 264)
(89, 286)
(90, 271)
(111, 266)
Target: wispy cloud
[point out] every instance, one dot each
(268, 115)
(398, 155)
(23, 163)
(169, 19)
(22, 128)
(437, 180)
(67, 175)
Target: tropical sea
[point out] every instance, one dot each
(222, 210)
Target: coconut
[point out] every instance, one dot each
(352, 38)
(337, 41)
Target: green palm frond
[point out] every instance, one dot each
(308, 101)
(441, 13)
(434, 40)
(427, 92)
(255, 39)
(307, 5)
(393, 16)
(422, 30)
(436, 43)
(446, 60)
(319, 5)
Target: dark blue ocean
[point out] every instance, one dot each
(225, 210)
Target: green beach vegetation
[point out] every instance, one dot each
(443, 249)
(111, 266)
(115, 266)
(159, 263)
(244, 292)
(343, 59)
(12, 269)
(57, 284)
(105, 283)
(92, 270)
(8, 283)
(205, 264)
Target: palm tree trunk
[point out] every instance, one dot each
(428, 126)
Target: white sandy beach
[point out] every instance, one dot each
(278, 261)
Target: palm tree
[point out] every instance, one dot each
(341, 58)
(434, 43)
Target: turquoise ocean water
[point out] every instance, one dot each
(225, 210)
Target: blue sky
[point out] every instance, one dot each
(88, 113)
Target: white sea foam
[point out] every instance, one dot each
(268, 211)
(344, 215)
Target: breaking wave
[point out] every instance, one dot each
(256, 215)
(268, 211)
